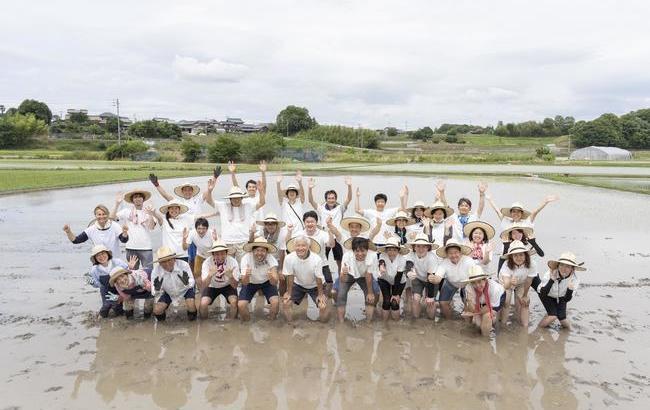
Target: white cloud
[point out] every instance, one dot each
(215, 70)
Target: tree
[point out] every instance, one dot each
(262, 146)
(391, 131)
(39, 109)
(423, 134)
(18, 130)
(150, 129)
(127, 150)
(79, 117)
(224, 149)
(603, 131)
(293, 119)
(191, 150)
(111, 125)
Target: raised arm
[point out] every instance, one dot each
(330, 234)
(376, 229)
(494, 206)
(348, 198)
(151, 222)
(482, 187)
(310, 192)
(404, 197)
(232, 167)
(153, 212)
(154, 180)
(301, 189)
(278, 186)
(440, 188)
(261, 188)
(263, 168)
(119, 197)
(333, 230)
(186, 234)
(357, 203)
(547, 201)
(212, 182)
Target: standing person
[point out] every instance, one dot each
(453, 269)
(400, 222)
(99, 277)
(274, 231)
(202, 238)
(392, 277)
(218, 277)
(132, 285)
(421, 223)
(172, 279)
(304, 276)
(465, 214)
(380, 212)
(439, 229)
(139, 223)
(324, 239)
(479, 234)
(101, 231)
(174, 220)
(251, 185)
(517, 275)
(292, 199)
(484, 298)
(519, 231)
(259, 271)
(557, 287)
(331, 209)
(422, 263)
(357, 266)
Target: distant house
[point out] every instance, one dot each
(75, 111)
(601, 154)
(248, 128)
(194, 127)
(161, 119)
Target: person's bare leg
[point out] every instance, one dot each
(203, 307)
(523, 316)
(547, 321)
(565, 324)
(370, 311)
(431, 311)
(190, 304)
(486, 324)
(288, 310)
(394, 314)
(274, 308)
(242, 308)
(445, 309)
(408, 302)
(324, 313)
(159, 308)
(232, 312)
(415, 306)
(505, 311)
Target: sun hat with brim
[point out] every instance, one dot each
(163, 209)
(442, 252)
(393, 242)
(236, 192)
(96, 250)
(517, 247)
(220, 245)
(475, 273)
(567, 258)
(116, 273)
(179, 189)
(345, 223)
(417, 204)
(423, 239)
(348, 244)
(438, 205)
(262, 243)
(271, 218)
(527, 230)
(400, 215)
(470, 226)
(164, 254)
(313, 245)
(515, 205)
(109, 221)
(128, 197)
(291, 187)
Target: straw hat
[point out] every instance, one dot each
(128, 197)
(515, 205)
(394, 242)
(400, 215)
(164, 254)
(417, 204)
(271, 218)
(567, 258)
(442, 252)
(438, 205)
(163, 209)
(220, 245)
(348, 244)
(260, 242)
(179, 189)
(97, 249)
(236, 192)
(345, 223)
(475, 273)
(528, 231)
(313, 245)
(423, 239)
(469, 227)
(116, 273)
(291, 187)
(517, 247)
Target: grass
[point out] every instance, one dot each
(628, 184)
(485, 140)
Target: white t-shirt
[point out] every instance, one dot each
(457, 273)
(136, 220)
(253, 200)
(203, 244)
(506, 223)
(108, 236)
(357, 268)
(559, 288)
(457, 227)
(235, 221)
(172, 284)
(304, 271)
(336, 213)
(322, 238)
(495, 290)
(260, 271)
(486, 255)
(392, 267)
(194, 204)
(520, 272)
(438, 232)
(220, 282)
(291, 217)
(386, 214)
(424, 266)
(173, 237)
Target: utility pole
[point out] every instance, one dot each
(119, 128)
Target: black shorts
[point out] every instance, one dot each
(338, 251)
(553, 307)
(298, 293)
(213, 293)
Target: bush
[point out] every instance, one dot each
(19, 130)
(336, 134)
(224, 149)
(263, 146)
(451, 139)
(150, 129)
(423, 134)
(541, 151)
(127, 150)
(191, 150)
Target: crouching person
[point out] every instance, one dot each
(99, 277)
(259, 271)
(357, 267)
(218, 274)
(484, 297)
(172, 278)
(304, 276)
(392, 279)
(132, 285)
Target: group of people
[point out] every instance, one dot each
(407, 259)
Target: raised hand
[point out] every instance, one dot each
(279, 178)
(311, 183)
(358, 193)
(345, 269)
(348, 181)
(298, 175)
(212, 182)
(125, 230)
(232, 167)
(253, 228)
(404, 191)
(387, 234)
(119, 198)
(133, 260)
(440, 186)
(66, 228)
(551, 198)
(482, 186)
(186, 234)
(185, 278)
(157, 283)
(216, 171)
(154, 179)
(263, 165)
(149, 209)
(572, 284)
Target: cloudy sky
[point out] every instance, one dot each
(375, 63)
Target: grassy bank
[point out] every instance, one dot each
(627, 184)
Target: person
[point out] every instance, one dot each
(380, 213)
(357, 266)
(259, 271)
(139, 223)
(172, 279)
(271, 228)
(391, 276)
(439, 228)
(479, 234)
(557, 287)
(174, 220)
(422, 264)
(101, 231)
(304, 276)
(251, 185)
(202, 237)
(464, 215)
(292, 199)
(453, 269)
(516, 213)
(98, 277)
(132, 285)
(519, 231)
(517, 275)
(400, 222)
(484, 298)
(324, 239)
(218, 277)
(331, 208)
(421, 223)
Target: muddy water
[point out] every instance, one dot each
(56, 354)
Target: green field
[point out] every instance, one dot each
(638, 185)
